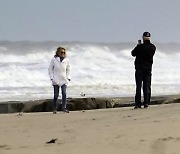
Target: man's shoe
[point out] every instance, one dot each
(65, 110)
(146, 106)
(137, 107)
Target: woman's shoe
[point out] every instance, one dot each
(54, 112)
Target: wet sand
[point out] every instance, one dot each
(115, 130)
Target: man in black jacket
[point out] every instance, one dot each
(143, 64)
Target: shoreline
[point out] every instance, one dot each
(81, 103)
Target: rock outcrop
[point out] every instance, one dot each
(80, 104)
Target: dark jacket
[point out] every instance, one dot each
(144, 55)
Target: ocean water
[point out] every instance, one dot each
(97, 69)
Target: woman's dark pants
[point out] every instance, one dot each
(56, 95)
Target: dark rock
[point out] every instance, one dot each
(177, 100)
(11, 107)
(101, 103)
(82, 103)
(38, 106)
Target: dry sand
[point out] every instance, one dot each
(121, 130)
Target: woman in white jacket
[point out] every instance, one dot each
(59, 73)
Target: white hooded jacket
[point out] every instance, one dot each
(59, 72)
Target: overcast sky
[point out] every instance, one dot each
(89, 20)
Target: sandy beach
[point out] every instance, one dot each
(117, 130)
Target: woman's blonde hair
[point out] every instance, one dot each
(60, 48)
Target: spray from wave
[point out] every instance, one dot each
(97, 69)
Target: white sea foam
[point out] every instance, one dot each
(97, 69)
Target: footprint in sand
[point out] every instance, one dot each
(159, 146)
(6, 147)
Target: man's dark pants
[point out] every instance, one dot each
(143, 77)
